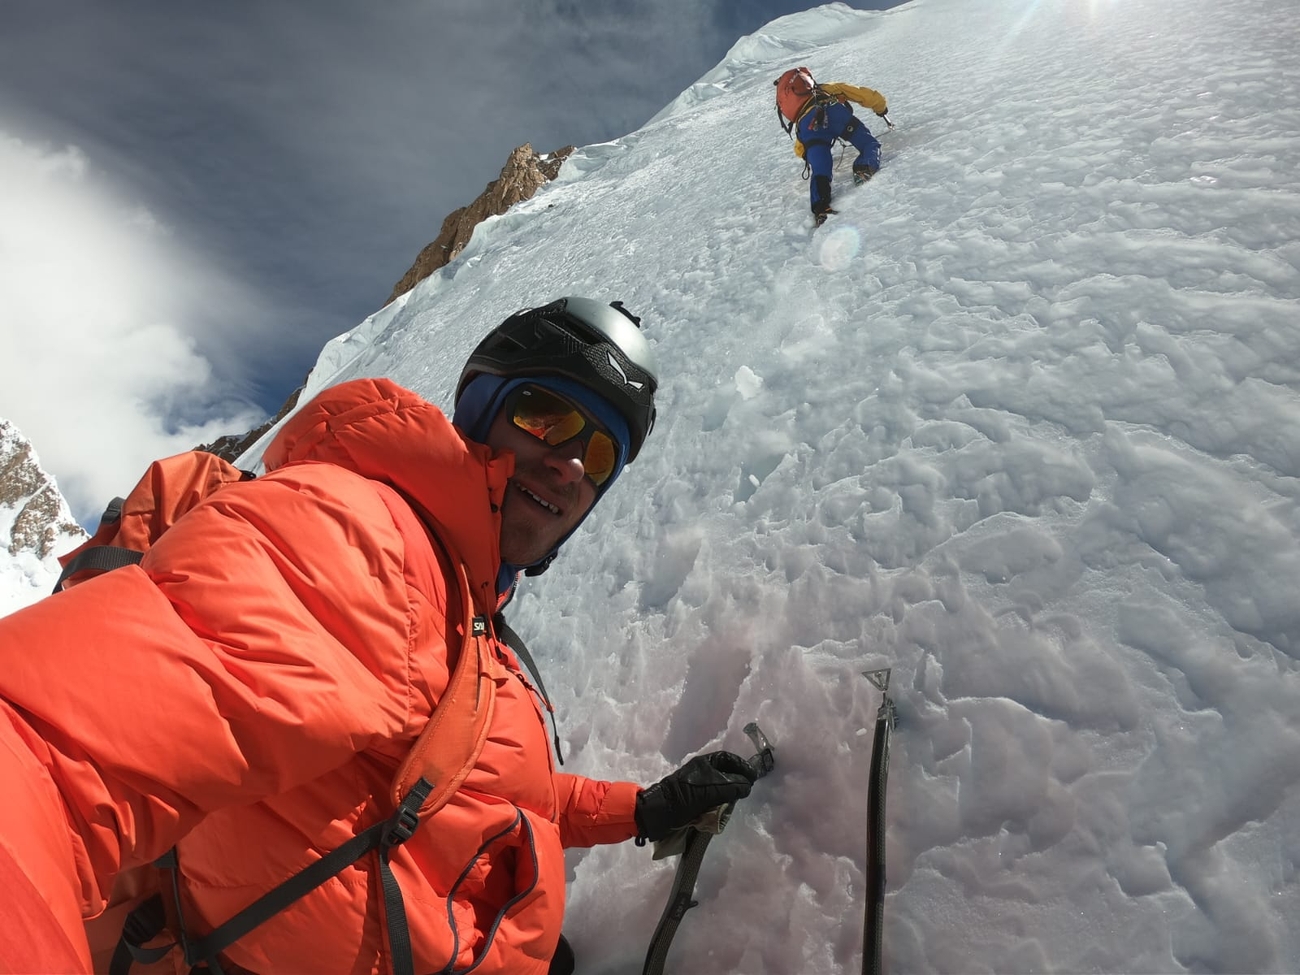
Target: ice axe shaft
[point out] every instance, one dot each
(694, 842)
(765, 759)
(873, 914)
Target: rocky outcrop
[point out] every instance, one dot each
(524, 173)
(35, 515)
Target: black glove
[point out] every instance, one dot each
(703, 783)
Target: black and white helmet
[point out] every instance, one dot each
(600, 346)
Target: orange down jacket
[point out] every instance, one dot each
(248, 693)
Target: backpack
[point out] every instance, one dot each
(130, 525)
(144, 906)
(793, 90)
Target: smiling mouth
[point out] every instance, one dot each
(540, 501)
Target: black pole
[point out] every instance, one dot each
(873, 916)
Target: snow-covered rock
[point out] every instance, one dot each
(35, 523)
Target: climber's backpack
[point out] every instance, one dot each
(144, 910)
(130, 525)
(793, 89)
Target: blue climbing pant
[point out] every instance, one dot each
(818, 131)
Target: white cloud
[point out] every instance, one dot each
(98, 305)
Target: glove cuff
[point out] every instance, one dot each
(642, 834)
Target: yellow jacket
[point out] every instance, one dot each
(866, 97)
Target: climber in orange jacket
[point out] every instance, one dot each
(258, 692)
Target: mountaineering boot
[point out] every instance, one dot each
(820, 218)
(860, 176)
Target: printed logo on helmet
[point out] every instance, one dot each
(621, 374)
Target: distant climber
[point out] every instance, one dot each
(822, 114)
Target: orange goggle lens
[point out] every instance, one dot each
(552, 418)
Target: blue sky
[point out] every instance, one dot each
(295, 158)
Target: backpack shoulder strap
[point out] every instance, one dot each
(785, 122)
(516, 643)
(459, 723)
(97, 559)
(819, 97)
(149, 919)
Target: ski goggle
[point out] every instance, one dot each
(553, 419)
